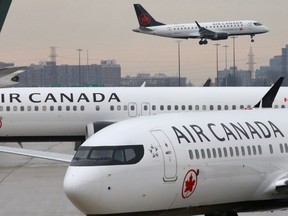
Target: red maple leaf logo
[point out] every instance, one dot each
(144, 19)
(189, 184)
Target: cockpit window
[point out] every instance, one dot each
(257, 24)
(107, 155)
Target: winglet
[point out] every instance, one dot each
(198, 25)
(268, 99)
(4, 8)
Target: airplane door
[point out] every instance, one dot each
(132, 109)
(169, 156)
(145, 109)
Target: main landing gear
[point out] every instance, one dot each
(252, 35)
(203, 42)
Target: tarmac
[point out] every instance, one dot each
(34, 187)
(30, 187)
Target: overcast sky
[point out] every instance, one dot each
(104, 27)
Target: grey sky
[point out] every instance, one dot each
(104, 27)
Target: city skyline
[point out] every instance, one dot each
(104, 28)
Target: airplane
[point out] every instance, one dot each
(4, 8)
(74, 114)
(216, 163)
(218, 30)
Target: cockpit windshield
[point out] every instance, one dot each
(108, 155)
(257, 24)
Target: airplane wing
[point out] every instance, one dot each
(9, 76)
(205, 33)
(37, 154)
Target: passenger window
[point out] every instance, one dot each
(234, 107)
(241, 106)
(51, 108)
(249, 150)
(286, 147)
(97, 108)
(243, 150)
(203, 153)
(225, 152)
(226, 107)
(44, 108)
(219, 152)
(191, 154)
(119, 107)
(82, 108)
(169, 107)
(204, 107)
(283, 106)
(219, 107)
(259, 149)
(112, 108)
(74, 108)
(214, 152)
(276, 106)
(8, 108)
(36, 108)
(176, 107)
(237, 151)
(208, 153)
(125, 108)
(211, 107)
(15, 108)
(197, 107)
(161, 107)
(183, 107)
(153, 107)
(254, 150)
(29, 108)
(271, 149)
(59, 108)
(190, 107)
(22, 108)
(67, 108)
(281, 148)
(197, 154)
(1, 108)
(231, 151)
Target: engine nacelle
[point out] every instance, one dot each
(94, 127)
(220, 36)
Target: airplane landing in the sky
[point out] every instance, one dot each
(203, 31)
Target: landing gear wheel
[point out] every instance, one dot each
(252, 40)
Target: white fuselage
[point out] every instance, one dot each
(193, 163)
(191, 30)
(64, 113)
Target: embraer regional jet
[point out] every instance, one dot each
(211, 30)
(213, 163)
(71, 114)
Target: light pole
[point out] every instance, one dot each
(179, 69)
(79, 50)
(226, 46)
(217, 67)
(234, 65)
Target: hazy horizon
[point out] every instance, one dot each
(104, 28)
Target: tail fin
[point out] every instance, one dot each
(4, 7)
(144, 18)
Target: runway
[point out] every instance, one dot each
(33, 187)
(30, 187)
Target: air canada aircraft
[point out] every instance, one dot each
(74, 114)
(215, 163)
(219, 30)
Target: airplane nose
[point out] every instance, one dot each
(83, 186)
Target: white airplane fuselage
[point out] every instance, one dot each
(184, 164)
(190, 30)
(32, 114)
